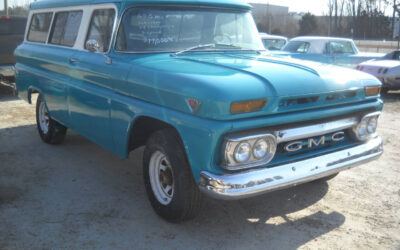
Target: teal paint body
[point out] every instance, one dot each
(102, 101)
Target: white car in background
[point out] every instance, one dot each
(273, 42)
(386, 69)
(331, 50)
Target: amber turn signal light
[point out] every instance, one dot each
(370, 91)
(248, 106)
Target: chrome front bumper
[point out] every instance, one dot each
(258, 181)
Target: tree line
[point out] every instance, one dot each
(355, 18)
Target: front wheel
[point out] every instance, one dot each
(50, 131)
(169, 182)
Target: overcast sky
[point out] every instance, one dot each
(316, 7)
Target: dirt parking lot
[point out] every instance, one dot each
(78, 195)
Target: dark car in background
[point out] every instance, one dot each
(12, 30)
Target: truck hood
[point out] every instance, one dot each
(216, 80)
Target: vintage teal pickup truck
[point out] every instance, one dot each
(191, 81)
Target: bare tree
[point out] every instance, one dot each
(330, 14)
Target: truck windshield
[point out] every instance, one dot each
(153, 29)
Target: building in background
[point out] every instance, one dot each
(275, 19)
(270, 18)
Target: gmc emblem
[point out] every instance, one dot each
(297, 145)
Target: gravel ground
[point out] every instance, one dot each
(78, 195)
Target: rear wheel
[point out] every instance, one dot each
(169, 182)
(50, 131)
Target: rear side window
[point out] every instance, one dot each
(297, 47)
(39, 27)
(65, 28)
(340, 47)
(101, 27)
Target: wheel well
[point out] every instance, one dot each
(30, 92)
(143, 128)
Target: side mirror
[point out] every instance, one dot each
(92, 45)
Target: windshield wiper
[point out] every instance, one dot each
(200, 46)
(203, 46)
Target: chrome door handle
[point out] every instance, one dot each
(73, 60)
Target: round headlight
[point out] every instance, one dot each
(260, 149)
(372, 124)
(242, 152)
(366, 128)
(362, 129)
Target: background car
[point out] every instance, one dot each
(12, 29)
(386, 69)
(332, 50)
(273, 42)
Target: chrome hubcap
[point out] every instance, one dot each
(161, 178)
(44, 118)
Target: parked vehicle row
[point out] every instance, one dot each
(330, 50)
(386, 69)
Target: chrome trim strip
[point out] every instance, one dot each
(293, 134)
(258, 181)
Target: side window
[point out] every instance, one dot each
(65, 28)
(303, 48)
(101, 26)
(341, 47)
(297, 47)
(39, 27)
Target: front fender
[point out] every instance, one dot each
(200, 136)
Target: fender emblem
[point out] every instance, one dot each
(193, 105)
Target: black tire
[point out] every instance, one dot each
(55, 133)
(186, 199)
(384, 91)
